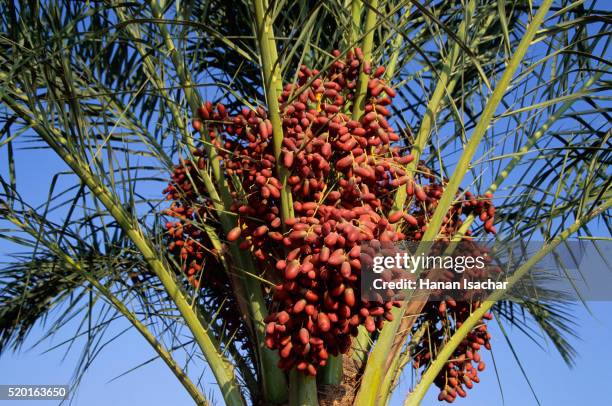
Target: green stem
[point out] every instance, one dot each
(274, 379)
(374, 373)
(194, 101)
(362, 341)
(71, 264)
(533, 139)
(273, 87)
(361, 346)
(74, 266)
(187, 383)
(395, 372)
(303, 389)
(372, 379)
(483, 124)
(331, 374)
(220, 368)
(444, 86)
(475, 318)
(356, 9)
(151, 72)
(366, 46)
(396, 46)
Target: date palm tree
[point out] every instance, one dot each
(504, 97)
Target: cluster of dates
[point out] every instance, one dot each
(191, 248)
(446, 311)
(461, 372)
(342, 172)
(185, 236)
